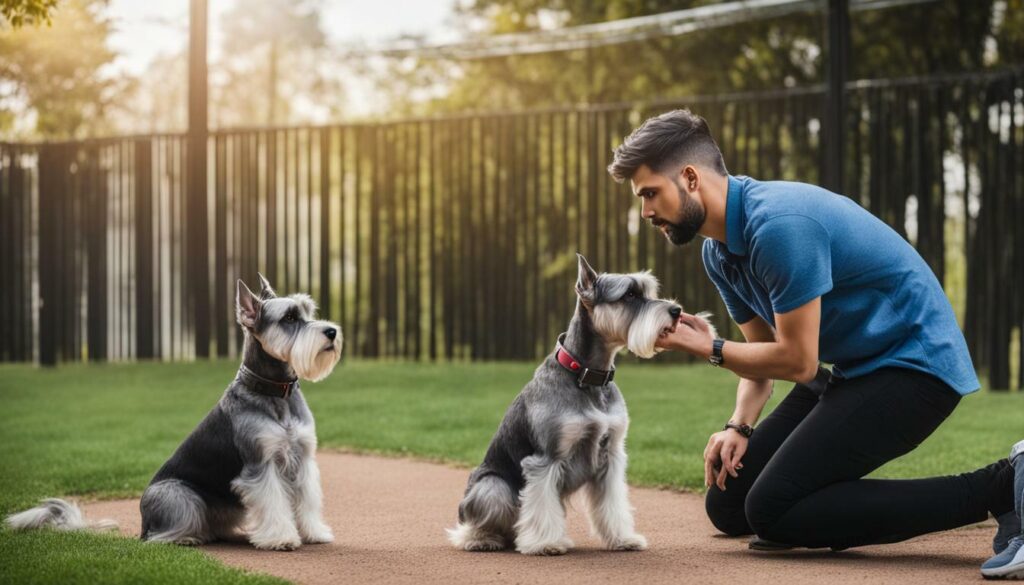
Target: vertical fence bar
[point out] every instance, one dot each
(144, 285)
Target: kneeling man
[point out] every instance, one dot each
(810, 275)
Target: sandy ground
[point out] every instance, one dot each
(389, 516)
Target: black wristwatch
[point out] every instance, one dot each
(716, 359)
(743, 429)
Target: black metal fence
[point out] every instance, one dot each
(454, 238)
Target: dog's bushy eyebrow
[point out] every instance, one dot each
(613, 287)
(305, 303)
(273, 310)
(647, 282)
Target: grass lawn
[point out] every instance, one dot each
(102, 431)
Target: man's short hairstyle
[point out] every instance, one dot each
(667, 142)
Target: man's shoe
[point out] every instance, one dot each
(1008, 564)
(768, 545)
(1009, 526)
(1009, 560)
(763, 545)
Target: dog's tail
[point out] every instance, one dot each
(487, 516)
(56, 514)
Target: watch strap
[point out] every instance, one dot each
(743, 429)
(716, 359)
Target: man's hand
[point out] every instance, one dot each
(694, 338)
(722, 456)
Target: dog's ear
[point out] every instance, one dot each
(247, 306)
(266, 291)
(585, 279)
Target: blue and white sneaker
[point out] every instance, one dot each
(1009, 563)
(1008, 527)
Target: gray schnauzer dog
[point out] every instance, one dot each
(566, 430)
(250, 464)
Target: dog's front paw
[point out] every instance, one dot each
(485, 545)
(318, 535)
(558, 547)
(287, 543)
(631, 542)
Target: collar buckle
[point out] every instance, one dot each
(582, 377)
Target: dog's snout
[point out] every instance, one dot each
(331, 333)
(675, 311)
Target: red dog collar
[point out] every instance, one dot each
(584, 376)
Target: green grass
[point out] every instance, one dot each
(72, 558)
(102, 431)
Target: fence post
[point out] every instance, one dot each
(833, 130)
(197, 261)
(144, 290)
(50, 177)
(96, 255)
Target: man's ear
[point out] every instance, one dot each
(585, 279)
(689, 178)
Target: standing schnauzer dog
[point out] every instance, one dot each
(250, 463)
(566, 430)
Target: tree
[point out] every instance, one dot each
(919, 39)
(52, 79)
(274, 66)
(30, 12)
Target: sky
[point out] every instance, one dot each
(144, 30)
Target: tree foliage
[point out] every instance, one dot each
(938, 37)
(52, 83)
(27, 12)
(274, 65)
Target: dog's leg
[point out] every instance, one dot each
(540, 529)
(309, 504)
(486, 516)
(611, 516)
(271, 524)
(173, 512)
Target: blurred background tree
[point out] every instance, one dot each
(22, 12)
(273, 62)
(51, 78)
(275, 66)
(949, 36)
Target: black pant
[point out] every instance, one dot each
(801, 478)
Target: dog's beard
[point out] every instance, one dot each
(653, 320)
(313, 355)
(685, 226)
(651, 324)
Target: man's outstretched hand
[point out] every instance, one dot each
(692, 335)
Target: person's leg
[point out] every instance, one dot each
(810, 493)
(726, 508)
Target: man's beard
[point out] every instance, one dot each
(688, 223)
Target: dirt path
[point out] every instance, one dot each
(388, 517)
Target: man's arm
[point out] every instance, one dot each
(753, 393)
(726, 448)
(791, 355)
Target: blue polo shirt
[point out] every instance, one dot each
(881, 305)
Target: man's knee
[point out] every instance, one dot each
(764, 506)
(726, 512)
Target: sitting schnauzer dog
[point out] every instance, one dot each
(566, 430)
(250, 463)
